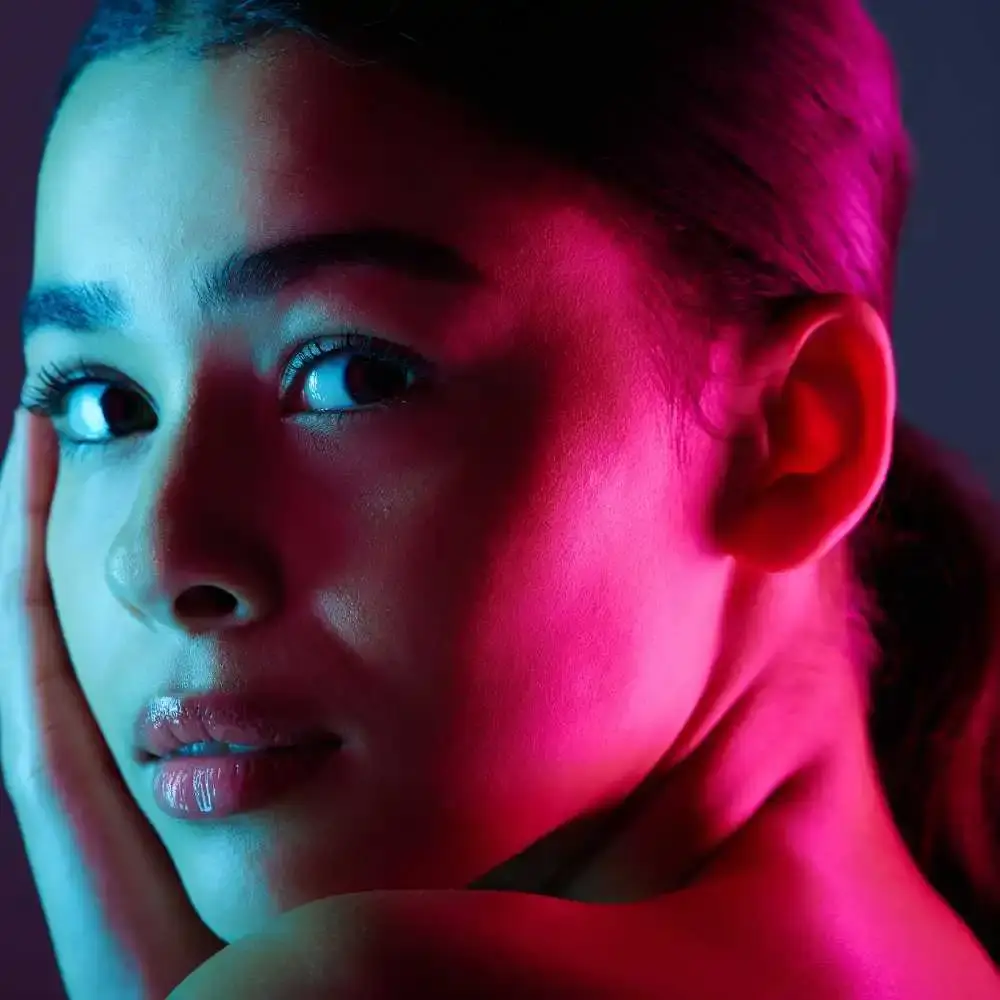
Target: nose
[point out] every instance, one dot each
(215, 582)
(200, 548)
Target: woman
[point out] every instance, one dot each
(543, 666)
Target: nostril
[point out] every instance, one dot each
(205, 601)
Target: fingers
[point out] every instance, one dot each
(16, 443)
(120, 921)
(40, 452)
(27, 483)
(37, 686)
(11, 480)
(49, 659)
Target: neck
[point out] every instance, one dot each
(773, 761)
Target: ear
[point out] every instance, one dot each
(826, 427)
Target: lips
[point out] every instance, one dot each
(243, 723)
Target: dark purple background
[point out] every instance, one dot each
(947, 333)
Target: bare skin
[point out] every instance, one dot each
(684, 672)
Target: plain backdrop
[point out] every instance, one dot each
(946, 331)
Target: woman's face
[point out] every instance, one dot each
(493, 589)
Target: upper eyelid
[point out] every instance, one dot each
(279, 363)
(84, 371)
(352, 339)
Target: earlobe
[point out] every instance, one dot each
(828, 430)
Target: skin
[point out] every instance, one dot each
(512, 597)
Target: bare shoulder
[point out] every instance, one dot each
(482, 945)
(880, 934)
(724, 940)
(446, 944)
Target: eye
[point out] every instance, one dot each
(339, 375)
(89, 405)
(350, 372)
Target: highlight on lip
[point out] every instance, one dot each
(219, 785)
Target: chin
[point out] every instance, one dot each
(232, 907)
(231, 919)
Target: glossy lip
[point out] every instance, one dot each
(264, 722)
(215, 788)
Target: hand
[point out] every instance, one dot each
(121, 923)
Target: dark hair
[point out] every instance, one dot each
(762, 147)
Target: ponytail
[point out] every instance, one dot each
(928, 554)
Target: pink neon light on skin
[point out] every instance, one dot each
(502, 596)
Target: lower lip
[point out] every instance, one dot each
(209, 788)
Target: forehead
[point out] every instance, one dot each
(157, 161)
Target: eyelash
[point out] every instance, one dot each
(54, 382)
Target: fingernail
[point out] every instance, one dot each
(21, 426)
(15, 446)
(20, 423)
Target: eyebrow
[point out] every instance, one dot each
(248, 276)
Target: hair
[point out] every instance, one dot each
(763, 149)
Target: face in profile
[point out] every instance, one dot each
(438, 485)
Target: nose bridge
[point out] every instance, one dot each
(189, 554)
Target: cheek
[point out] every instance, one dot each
(80, 530)
(598, 616)
(68, 556)
(566, 636)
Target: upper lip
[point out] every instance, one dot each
(168, 723)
